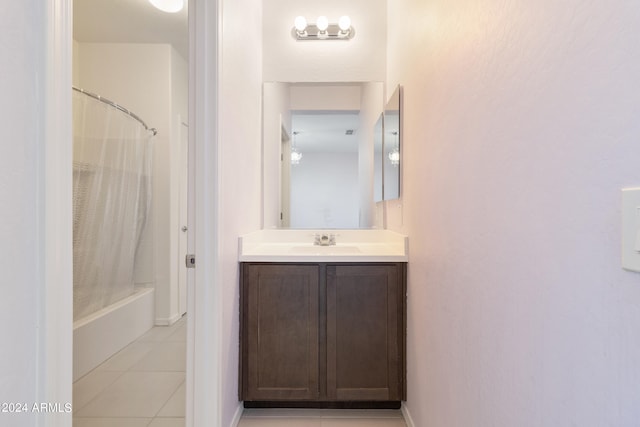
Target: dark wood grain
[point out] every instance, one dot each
(362, 333)
(323, 334)
(281, 332)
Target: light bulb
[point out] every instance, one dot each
(170, 6)
(300, 23)
(394, 157)
(322, 23)
(344, 23)
(296, 156)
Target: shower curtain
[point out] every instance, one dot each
(112, 159)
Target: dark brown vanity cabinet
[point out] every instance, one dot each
(322, 334)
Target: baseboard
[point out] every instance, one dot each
(167, 321)
(236, 418)
(407, 416)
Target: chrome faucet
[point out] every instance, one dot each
(324, 239)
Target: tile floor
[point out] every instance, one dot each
(320, 418)
(143, 385)
(140, 386)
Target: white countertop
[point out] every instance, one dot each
(297, 246)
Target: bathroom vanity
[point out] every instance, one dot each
(322, 326)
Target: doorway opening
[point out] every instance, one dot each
(138, 57)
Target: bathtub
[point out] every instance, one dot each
(105, 332)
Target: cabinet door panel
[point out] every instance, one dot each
(362, 333)
(282, 332)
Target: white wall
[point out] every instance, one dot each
(521, 127)
(240, 170)
(359, 59)
(19, 191)
(35, 280)
(151, 81)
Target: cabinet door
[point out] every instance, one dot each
(280, 332)
(364, 332)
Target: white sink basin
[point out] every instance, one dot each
(325, 250)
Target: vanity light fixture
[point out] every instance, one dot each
(169, 6)
(322, 29)
(296, 156)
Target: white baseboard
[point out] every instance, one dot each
(236, 418)
(167, 321)
(407, 416)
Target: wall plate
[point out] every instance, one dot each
(631, 229)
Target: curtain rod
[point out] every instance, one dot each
(119, 107)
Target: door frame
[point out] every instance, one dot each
(183, 216)
(54, 376)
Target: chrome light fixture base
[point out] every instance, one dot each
(333, 32)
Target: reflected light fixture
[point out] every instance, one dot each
(322, 29)
(394, 155)
(296, 156)
(169, 6)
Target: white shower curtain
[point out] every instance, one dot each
(112, 155)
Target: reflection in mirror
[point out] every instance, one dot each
(318, 158)
(392, 144)
(377, 159)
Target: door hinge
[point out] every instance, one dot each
(190, 261)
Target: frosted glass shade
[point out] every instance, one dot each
(300, 23)
(322, 23)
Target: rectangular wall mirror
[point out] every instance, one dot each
(392, 142)
(318, 154)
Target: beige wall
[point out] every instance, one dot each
(520, 130)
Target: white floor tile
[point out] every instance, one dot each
(127, 357)
(321, 418)
(362, 413)
(176, 405)
(134, 394)
(280, 422)
(111, 422)
(160, 333)
(90, 386)
(167, 422)
(180, 334)
(362, 422)
(164, 357)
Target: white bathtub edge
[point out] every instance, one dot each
(102, 334)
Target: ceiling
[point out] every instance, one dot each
(137, 21)
(129, 21)
(324, 131)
